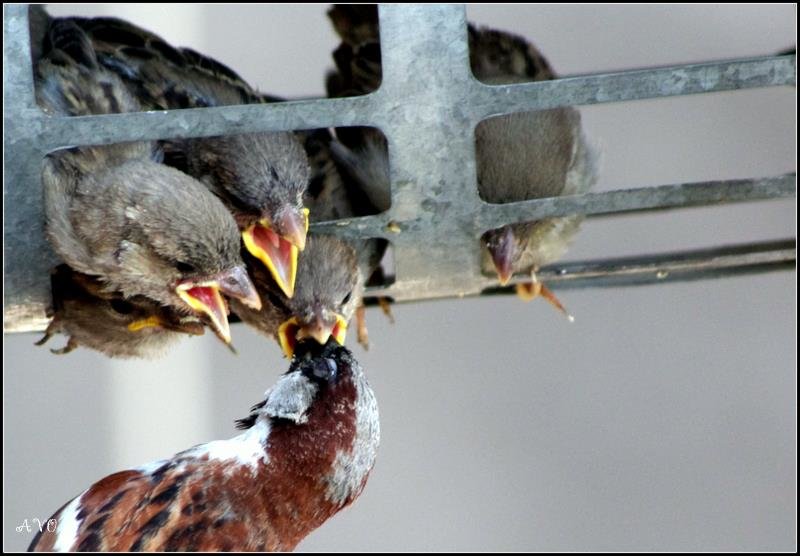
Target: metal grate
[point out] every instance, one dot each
(429, 125)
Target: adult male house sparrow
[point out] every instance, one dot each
(114, 212)
(261, 177)
(109, 323)
(306, 453)
(519, 156)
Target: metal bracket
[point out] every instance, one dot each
(429, 123)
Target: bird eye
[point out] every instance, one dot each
(332, 367)
(121, 307)
(325, 369)
(347, 297)
(185, 267)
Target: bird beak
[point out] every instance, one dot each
(206, 299)
(502, 254)
(278, 247)
(291, 331)
(287, 336)
(236, 283)
(149, 322)
(293, 227)
(185, 325)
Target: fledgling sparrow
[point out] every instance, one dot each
(107, 322)
(332, 271)
(261, 177)
(115, 213)
(520, 156)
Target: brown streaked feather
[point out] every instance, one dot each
(305, 470)
(257, 175)
(101, 320)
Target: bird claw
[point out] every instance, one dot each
(71, 345)
(534, 289)
(528, 291)
(43, 340)
(361, 327)
(386, 307)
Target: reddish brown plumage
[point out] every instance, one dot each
(299, 462)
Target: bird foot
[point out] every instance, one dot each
(361, 327)
(386, 307)
(71, 345)
(44, 339)
(51, 330)
(534, 289)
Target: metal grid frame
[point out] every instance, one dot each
(429, 124)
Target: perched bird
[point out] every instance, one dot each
(306, 453)
(261, 177)
(332, 271)
(115, 213)
(527, 155)
(109, 323)
(329, 289)
(519, 156)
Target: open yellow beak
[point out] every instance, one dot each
(207, 299)
(292, 331)
(279, 251)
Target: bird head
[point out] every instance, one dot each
(180, 236)
(328, 292)
(262, 178)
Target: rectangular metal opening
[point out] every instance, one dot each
(442, 110)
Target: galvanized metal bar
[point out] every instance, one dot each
(17, 69)
(688, 79)
(488, 216)
(27, 257)
(640, 199)
(431, 146)
(427, 106)
(477, 101)
(205, 122)
(679, 266)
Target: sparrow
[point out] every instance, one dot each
(329, 289)
(527, 155)
(261, 177)
(107, 322)
(332, 271)
(357, 164)
(115, 213)
(520, 156)
(306, 452)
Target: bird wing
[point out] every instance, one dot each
(180, 504)
(163, 77)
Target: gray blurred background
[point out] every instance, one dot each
(664, 418)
